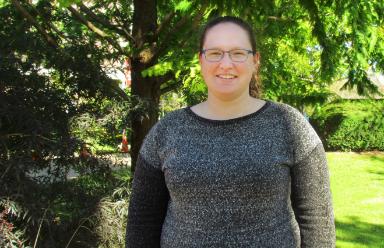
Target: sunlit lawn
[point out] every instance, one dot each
(357, 184)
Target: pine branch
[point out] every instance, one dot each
(319, 31)
(50, 40)
(165, 23)
(106, 23)
(164, 78)
(171, 87)
(165, 43)
(95, 29)
(48, 23)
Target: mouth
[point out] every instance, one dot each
(226, 76)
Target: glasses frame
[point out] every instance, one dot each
(229, 54)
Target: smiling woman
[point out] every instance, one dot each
(227, 77)
(235, 170)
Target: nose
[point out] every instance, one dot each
(226, 61)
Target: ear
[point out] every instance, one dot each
(200, 58)
(256, 59)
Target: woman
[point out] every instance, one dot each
(233, 171)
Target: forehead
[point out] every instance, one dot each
(227, 36)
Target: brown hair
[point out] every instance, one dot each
(254, 85)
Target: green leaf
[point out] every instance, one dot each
(373, 41)
(158, 69)
(177, 74)
(361, 59)
(66, 3)
(183, 5)
(2, 3)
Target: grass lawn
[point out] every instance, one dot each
(357, 184)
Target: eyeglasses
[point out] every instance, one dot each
(236, 55)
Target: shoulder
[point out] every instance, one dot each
(157, 135)
(302, 135)
(286, 111)
(175, 115)
(292, 117)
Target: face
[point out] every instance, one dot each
(227, 79)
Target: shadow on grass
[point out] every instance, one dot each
(355, 231)
(377, 158)
(378, 173)
(379, 170)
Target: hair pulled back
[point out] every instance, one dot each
(254, 85)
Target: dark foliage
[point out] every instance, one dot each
(42, 90)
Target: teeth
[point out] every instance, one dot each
(227, 76)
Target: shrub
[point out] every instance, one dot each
(111, 214)
(10, 236)
(112, 218)
(349, 125)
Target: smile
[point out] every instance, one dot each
(226, 76)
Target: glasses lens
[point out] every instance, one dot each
(238, 55)
(213, 55)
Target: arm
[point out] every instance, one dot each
(147, 206)
(311, 200)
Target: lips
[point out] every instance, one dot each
(226, 76)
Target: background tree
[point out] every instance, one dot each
(44, 84)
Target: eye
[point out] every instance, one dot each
(214, 52)
(238, 53)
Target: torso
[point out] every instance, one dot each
(228, 182)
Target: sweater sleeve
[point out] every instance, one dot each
(149, 198)
(310, 187)
(311, 200)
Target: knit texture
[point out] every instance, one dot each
(260, 180)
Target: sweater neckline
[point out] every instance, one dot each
(228, 121)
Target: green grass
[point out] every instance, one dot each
(357, 184)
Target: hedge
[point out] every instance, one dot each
(351, 125)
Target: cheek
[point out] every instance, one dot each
(203, 71)
(251, 68)
(207, 70)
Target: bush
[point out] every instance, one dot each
(10, 236)
(349, 125)
(111, 218)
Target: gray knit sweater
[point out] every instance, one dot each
(260, 180)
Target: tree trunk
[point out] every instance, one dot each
(147, 89)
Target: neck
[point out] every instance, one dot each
(221, 108)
